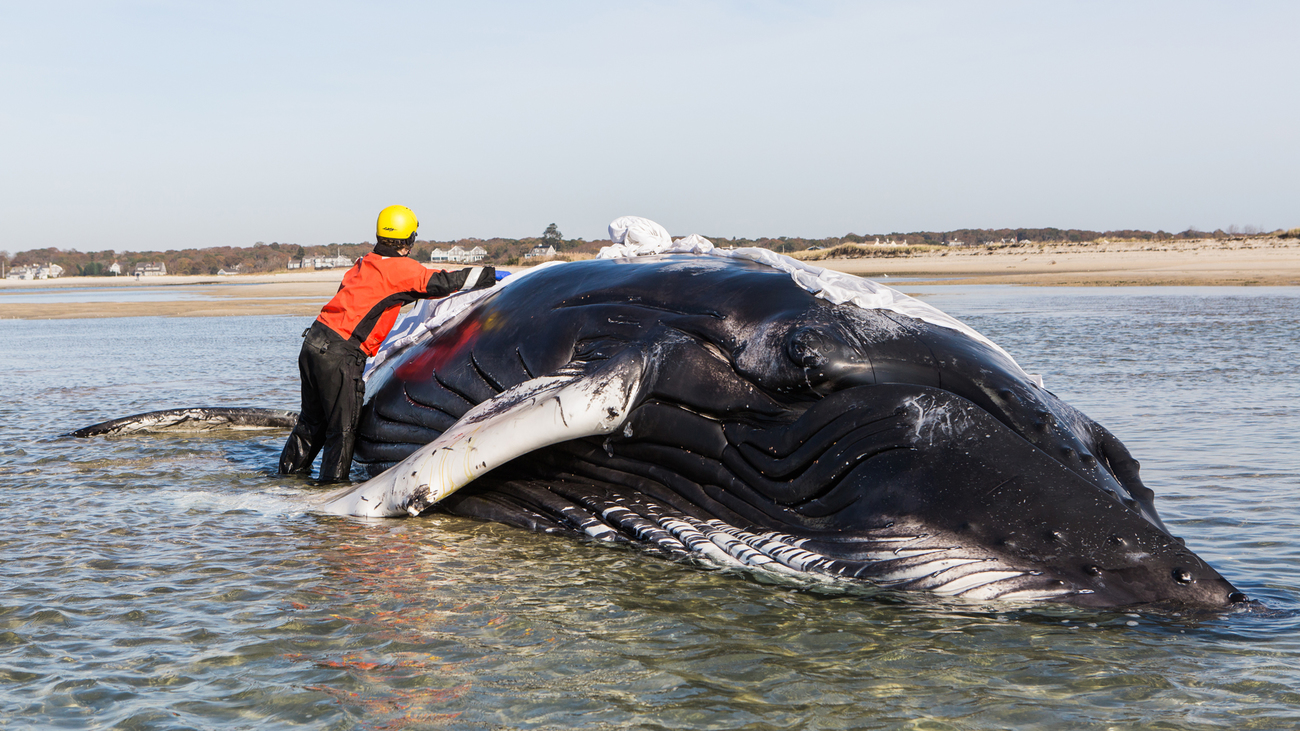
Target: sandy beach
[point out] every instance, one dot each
(1248, 262)
(1256, 262)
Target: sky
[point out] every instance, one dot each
(170, 125)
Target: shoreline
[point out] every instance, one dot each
(1249, 262)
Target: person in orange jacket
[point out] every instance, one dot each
(350, 329)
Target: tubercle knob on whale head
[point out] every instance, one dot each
(826, 360)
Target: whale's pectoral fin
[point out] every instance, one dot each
(200, 418)
(581, 399)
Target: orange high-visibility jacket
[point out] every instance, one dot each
(373, 292)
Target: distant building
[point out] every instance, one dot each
(327, 262)
(458, 255)
(320, 262)
(116, 269)
(151, 269)
(35, 271)
(540, 252)
(236, 269)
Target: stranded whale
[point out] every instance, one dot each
(714, 407)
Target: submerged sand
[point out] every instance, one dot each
(1271, 262)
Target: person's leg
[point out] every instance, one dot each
(309, 432)
(343, 413)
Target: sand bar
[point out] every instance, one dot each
(1250, 262)
(1259, 262)
(181, 296)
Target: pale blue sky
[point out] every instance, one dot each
(141, 125)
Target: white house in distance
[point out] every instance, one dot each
(150, 269)
(35, 271)
(458, 255)
(320, 262)
(330, 262)
(540, 252)
(438, 256)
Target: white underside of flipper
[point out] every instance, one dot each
(579, 400)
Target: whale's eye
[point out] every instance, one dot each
(1092, 570)
(1182, 576)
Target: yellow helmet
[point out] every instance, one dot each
(397, 222)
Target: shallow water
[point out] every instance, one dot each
(126, 293)
(91, 294)
(174, 582)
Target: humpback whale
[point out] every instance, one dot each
(722, 409)
(715, 407)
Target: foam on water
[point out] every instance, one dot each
(273, 503)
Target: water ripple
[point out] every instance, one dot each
(173, 581)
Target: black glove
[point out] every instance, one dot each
(479, 278)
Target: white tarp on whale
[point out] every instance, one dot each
(633, 236)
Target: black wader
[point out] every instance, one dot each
(332, 392)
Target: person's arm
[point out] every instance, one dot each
(441, 284)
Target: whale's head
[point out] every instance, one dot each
(959, 456)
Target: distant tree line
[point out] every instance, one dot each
(260, 257)
(263, 257)
(983, 237)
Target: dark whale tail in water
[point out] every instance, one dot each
(747, 415)
(192, 419)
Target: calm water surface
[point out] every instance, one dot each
(175, 582)
(127, 293)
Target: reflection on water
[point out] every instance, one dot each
(173, 581)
